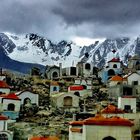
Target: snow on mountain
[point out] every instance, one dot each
(26, 50)
(33, 48)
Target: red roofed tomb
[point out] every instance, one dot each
(101, 128)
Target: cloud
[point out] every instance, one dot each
(65, 19)
(24, 16)
(104, 17)
(102, 11)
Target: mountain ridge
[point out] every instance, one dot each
(34, 49)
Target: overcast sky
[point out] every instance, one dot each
(67, 19)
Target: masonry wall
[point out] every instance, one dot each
(75, 100)
(3, 125)
(87, 72)
(33, 97)
(127, 101)
(52, 89)
(50, 73)
(2, 78)
(8, 133)
(111, 65)
(100, 132)
(133, 77)
(114, 83)
(87, 83)
(132, 116)
(115, 91)
(5, 90)
(8, 101)
(75, 135)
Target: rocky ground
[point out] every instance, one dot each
(42, 124)
(46, 120)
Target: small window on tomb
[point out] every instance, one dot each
(3, 137)
(127, 91)
(27, 101)
(135, 82)
(87, 66)
(118, 83)
(137, 63)
(127, 108)
(54, 88)
(11, 107)
(55, 75)
(77, 94)
(84, 86)
(68, 101)
(73, 71)
(109, 138)
(111, 72)
(115, 66)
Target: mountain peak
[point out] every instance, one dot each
(34, 48)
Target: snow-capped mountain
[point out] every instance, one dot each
(35, 49)
(32, 48)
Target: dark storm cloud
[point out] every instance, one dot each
(58, 19)
(104, 17)
(102, 11)
(23, 16)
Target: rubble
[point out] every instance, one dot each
(36, 126)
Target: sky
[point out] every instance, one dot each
(57, 20)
